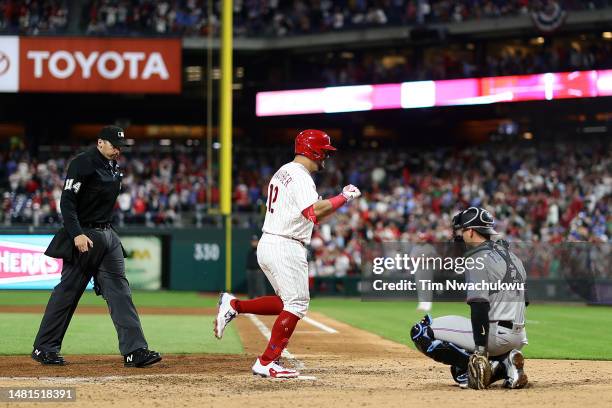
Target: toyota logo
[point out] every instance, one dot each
(5, 63)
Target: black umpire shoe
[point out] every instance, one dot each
(47, 357)
(141, 357)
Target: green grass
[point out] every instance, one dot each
(564, 331)
(141, 298)
(560, 331)
(95, 334)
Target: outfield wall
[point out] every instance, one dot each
(194, 259)
(177, 259)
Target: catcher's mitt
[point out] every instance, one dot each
(479, 371)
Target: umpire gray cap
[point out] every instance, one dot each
(475, 218)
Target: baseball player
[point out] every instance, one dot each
(486, 347)
(293, 208)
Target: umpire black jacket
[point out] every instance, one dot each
(90, 191)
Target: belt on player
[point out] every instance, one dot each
(285, 236)
(508, 324)
(97, 225)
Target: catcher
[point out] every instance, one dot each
(486, 347)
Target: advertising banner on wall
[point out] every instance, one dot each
(143, 265)
(23, 264)
(74, 64)
(9, 64)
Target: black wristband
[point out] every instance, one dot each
(480, 322)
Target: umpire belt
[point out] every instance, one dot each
(98, 225)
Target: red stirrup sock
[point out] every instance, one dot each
(265, 305)
(281, 332)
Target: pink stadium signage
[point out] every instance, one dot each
(24, 262)
(424, 94)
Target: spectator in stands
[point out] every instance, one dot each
(549, 195)
(33, 17)
(282, 18)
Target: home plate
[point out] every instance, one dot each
(306, 377)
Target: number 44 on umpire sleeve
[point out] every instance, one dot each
(71, 185)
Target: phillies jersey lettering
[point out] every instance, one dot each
(291, 190)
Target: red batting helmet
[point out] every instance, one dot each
(313, 144)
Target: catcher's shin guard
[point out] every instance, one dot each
(441, 351)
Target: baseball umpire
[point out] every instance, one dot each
(486, 347)
(91, 249)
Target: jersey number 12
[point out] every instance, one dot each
(272, 196)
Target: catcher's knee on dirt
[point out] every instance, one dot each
(441, 351)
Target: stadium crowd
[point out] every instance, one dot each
(256, 17)
(550, 194)
(33, 17)
(276, 18)
(156, 189)
(372, 67)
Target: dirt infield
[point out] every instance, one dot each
(352, 368)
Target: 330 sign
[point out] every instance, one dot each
(206, 252)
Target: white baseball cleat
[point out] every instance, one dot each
(515, 376)
(225, 313)
(273, 370)
(424, 306)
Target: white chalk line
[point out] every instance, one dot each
(85, 380)
(322, 333)
(320, 325)
(263, 329)
(94, 379)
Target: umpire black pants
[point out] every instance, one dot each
(105, 262)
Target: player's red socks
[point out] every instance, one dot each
(281, 332)
(283, 326)
(265, 305)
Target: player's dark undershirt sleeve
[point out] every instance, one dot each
(480, 321)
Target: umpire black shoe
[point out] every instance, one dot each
(47, 357)
(141, 357)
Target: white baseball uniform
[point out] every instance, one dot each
(281, 251)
